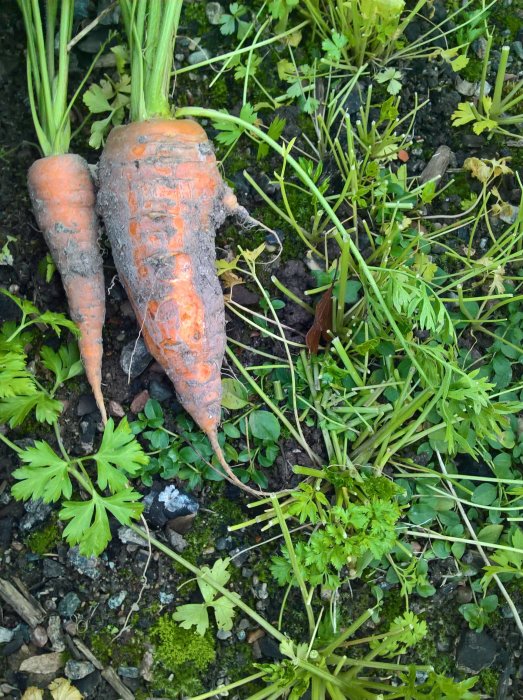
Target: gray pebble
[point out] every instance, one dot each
(223, 543)
(223, 635)
(198, 56)
(53, 569)
(39, 636)
(86, 405)
(35, 513)
(517, 47)
(160, 391)
(74, 670)
(69, 604)
(135, 358)
(238, 557)
(128, 671)
(88, 566)
(166, 598)
(128, 536)
(54, 632)
(177, 542)
(6, 635)
(214, 12)
(116, 600)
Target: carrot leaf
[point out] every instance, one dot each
(44, 475)
(230, 132)
(119, 454)
(196, 614)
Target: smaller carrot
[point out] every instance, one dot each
(63, 198)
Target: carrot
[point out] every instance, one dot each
(63, 198)
(161, 197)
(60, 184)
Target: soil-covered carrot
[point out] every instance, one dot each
(60, 184)
(161, 197)
(63, 198)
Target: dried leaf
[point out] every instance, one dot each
(62, 689)
(322, 322)
(33, 693)
(230, 278)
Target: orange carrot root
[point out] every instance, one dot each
(63, 198)
(162, 197)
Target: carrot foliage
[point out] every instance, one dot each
(151, 27)
(47, 75)
(48, 71)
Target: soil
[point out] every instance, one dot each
(112, 604)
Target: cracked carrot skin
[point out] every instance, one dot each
(63, 198)
(162, 197)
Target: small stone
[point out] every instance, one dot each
(214, 12)
(160, 391)
(517, 47)
(261, 592)
(242, 295)
(71, 628)
(182, 524)
(168, 504)
(146, 667)
(465, 87)
(6, 530)
(463, 594)
(6, 635)
(116, 601)
(39, 636)
(222, 635)
(88, 566)
(69, 604)
(177, 542)
(139, 401)
(53, 569)
(128, 536)
(223, 543)
(87, 434)
(127, 310)
(238, 557)
(36, 513)
(129, 672)
(86, 405)
(166, 598)
(74, 670)
(476, 651)
(115, 409)
(509, 213)
(89, 686)
(42, 664)
(54, 632)
(241, 635)
(255, 635)
(135, 358)
(198, 56)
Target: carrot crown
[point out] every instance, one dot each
(151, 27)
(47, 75)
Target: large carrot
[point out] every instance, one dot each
(60, 184)
(161, 197)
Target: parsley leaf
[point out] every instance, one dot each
(119, 454)
(45, 476)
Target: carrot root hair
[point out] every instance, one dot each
(231, 476)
